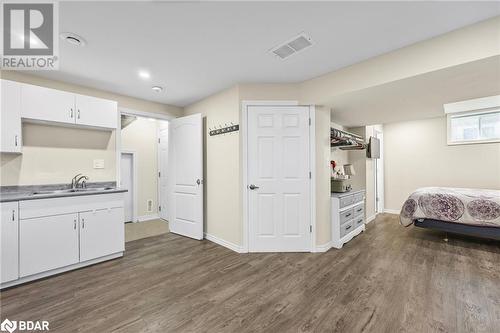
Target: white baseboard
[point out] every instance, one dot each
(371, 218)
(391, 211)
(221, 242)
(147, 217)
(323, 247)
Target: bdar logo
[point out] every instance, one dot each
(8, 326)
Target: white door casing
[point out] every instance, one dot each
(163, 169)
(279, 215)
(184, 176)
(126, 182)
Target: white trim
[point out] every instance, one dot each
(371, 218)
(154, 115)
(134, 180)
(467, 142)
(158, 167)
(226, 244)
(149, 217)
(347, 238)
(60, 270)
(244, 157)
(323, 247)
(391, 211)
(473, 104)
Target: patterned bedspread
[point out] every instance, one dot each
(459, 205)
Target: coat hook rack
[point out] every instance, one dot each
(224, 130)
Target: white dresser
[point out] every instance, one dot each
(348, 216)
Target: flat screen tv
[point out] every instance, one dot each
(373, 150)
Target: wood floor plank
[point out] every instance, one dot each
(388, 279)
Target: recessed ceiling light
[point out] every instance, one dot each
(157, 89)
(73, 39)
(144, 74)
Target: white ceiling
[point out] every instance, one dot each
(197, 49)
(418, 97)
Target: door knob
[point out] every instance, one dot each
(253, 187)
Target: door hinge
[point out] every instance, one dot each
(310, 175)
(309, 121)
(310, 228)
(158, 140)
(159, 174)
(159, 208)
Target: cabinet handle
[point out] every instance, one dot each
(359, 209)
(13, 215)
(348, 227)
(83, 223)
(15, 140)
(347, 215)
(78, 114)
(71, 113)
(74, 224)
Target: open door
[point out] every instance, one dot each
(185, 172)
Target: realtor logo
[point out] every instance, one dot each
(8, 326)
(29, 38)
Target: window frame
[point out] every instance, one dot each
(450, 142)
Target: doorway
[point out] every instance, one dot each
(379, 174)
(127, 181)
(279, 180)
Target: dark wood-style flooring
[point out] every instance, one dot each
(388, 279)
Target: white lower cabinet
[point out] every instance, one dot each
(9, 246)
(101, 233)
(48, 243)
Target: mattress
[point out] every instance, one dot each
(475, 207)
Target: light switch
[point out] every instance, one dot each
(99, 164)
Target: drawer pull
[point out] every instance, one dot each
(13, 215)
(359, 209)
(74, 224)
(347, 215)
(348, 227)
(83, 223)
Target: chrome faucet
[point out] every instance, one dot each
(75, 182)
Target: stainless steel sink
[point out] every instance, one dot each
(89, 189)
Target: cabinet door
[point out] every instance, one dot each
(10, 117)
(46, 104)
(9, 241)
(96, 112)
(47, 243)
(101, 233)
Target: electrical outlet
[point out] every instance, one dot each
(99, 164)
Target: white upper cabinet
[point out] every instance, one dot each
(46, 104)
(10, 117)
(94, 111)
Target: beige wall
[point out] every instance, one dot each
(54, 154)
(416, 155)
(221, 166)
(323, 158)
(141, 137)
(47, 159)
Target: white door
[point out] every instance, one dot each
(184, 177)
(9, 246)
(278, 179)
(94, 111)
(10, 117)
(162, 168)
(47, 104)
(126, 182)
(101, 233)
(47, 243)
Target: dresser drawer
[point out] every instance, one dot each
(358, 221)
(359, 209)
(358, 197)
(346, 228)
(346, 216)
(346, 201)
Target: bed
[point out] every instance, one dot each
(474, 212)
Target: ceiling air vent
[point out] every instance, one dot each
(292, 46)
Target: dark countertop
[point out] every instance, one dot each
(28, 192)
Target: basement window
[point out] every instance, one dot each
(474, 127)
